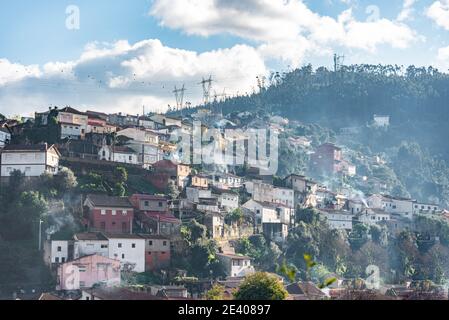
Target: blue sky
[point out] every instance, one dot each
(136, 51)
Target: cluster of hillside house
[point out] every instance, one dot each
(140, 233)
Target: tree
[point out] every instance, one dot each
(197, 231)
(65, 180)
(261, 286)
(16, 180)
(172, 190)
(120, 175)
(359, 236)
(236, 216)
(216, 293)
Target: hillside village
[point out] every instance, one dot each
(138, 215)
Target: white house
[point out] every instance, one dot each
(374, 216)
(140, 135)
(425, 208)
(75, 120)
(118, 154)
(402, 206)
(31, 160)
(264, 192)
(228, 201)
(86, 244)
(5, 136)
(129, 250)
(147, 123)
(70, 131)
(236, 265)
(56, 252)
(227, 181)
(275, 219)
(340, 220)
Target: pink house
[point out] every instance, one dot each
(88, 271)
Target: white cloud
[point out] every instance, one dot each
(124, 77)
(407, 10)
(280, 26)
(12, 72)
(439, 13)
(443, 58)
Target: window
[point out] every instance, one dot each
(147, 203)
(63, 260)
(164, 243)
(103, 226)
(130, 158)
(123, 256)
(103, 212)
(150, 243)
(160, 204)
(133, 245)
(124, 212)
(59, 249)
(114, 212)
(57, 259)
(104, 246)
(119, 245)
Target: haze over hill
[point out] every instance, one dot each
(325, 102)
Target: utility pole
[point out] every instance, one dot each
(219, 98)
(40, 234)
(338, 62)
(207, 86)
(179, 95)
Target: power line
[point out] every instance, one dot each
(207, 86)
(179, 95)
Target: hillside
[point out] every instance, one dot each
(416, 100)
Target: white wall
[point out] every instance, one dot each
(127, 254)
(84, 248)
(59, 251)
(229, 201)
(70, 131)
(32, 164)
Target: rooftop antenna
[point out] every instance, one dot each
(207, 86)
(179, 94)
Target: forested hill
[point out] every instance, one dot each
(417, 99)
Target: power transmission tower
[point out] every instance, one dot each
(207, 86)
(179, 94)
(338, 62)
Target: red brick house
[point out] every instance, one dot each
(153, 214)
(113, 215)
(166, 170)
(149, 203)
(157, 252)
(327, 159)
